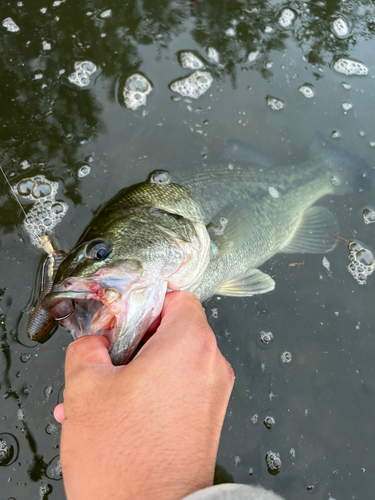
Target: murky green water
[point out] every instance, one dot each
(323, 400)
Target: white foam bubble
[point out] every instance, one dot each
(340, 28)
(190, 61)
(361, 263)
(213, 54)
(46, 212)
(286, 357)
(84, 170)
(136, 90)
(106, 14)
(346, 86)
(46, 45)
(231, 32)
(253, 55)
(274, 103)
(10, 25)
(346, 106)
(307, 91)
(194, 85)
(286, 18)
(268, 29)
(368, 216)
(349, 67)
(83, 71)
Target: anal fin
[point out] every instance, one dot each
(252, 282)
(314, 234)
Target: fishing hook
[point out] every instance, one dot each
(69, 313)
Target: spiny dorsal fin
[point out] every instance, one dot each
(230, 227)
(314, 233)
(252, 282)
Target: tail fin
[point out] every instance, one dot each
(350, 173)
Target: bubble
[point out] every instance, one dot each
(84, 170)
(253, 55)
(25, 358)
(346, 106)
(48, 391)
(273, 461)
(266, 337)
(20, 414)
(46, 45)
(81, 77)
(254, 418)
(361, 263)
(237, 460)
(51, 429)
(8, 449)
(213, 54)
(307, 91)
(286, 357)
(273, 192)
(268, 29)
(54, 469)
(368, 216)
(286, 18)
(136, 90)
(231, 32)
(45, 211)
(106, 14)
(194, 85)
(10, 25)
(350, 67)
(292, 453)
(190, 61)
(340, 28)
(269, 422)
(335, 134)
(274, 103)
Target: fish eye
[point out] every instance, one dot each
(99, 250)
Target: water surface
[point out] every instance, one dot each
(322, 401)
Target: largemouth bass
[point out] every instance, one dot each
(205, 230)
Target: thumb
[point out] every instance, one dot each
(85, 351)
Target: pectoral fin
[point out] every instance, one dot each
(252, 282)
(314, 234)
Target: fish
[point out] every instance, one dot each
(206, 230)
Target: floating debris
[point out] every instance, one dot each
(349, 67)
(194, 85)
(136, 90)
(10, 25)
(361, 262)
(81, 77)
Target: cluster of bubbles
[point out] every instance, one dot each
(269, 422)
(194, 85)
(286, 357)
(286, 18)
(10, 25)
(273, 461)
(340, 28)
(189, 60)
(346, 106)
(349, 67)
(361, 262)
(274, 103)
(54, 469)
(266, 337)
(368, 216)
(136, 90)
(307, 91)
(82, 73)
(46, 212)
(8, 449)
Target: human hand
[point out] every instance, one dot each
(149, 429)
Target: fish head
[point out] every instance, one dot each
(115, 280)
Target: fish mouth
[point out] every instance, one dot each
(86, 307)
